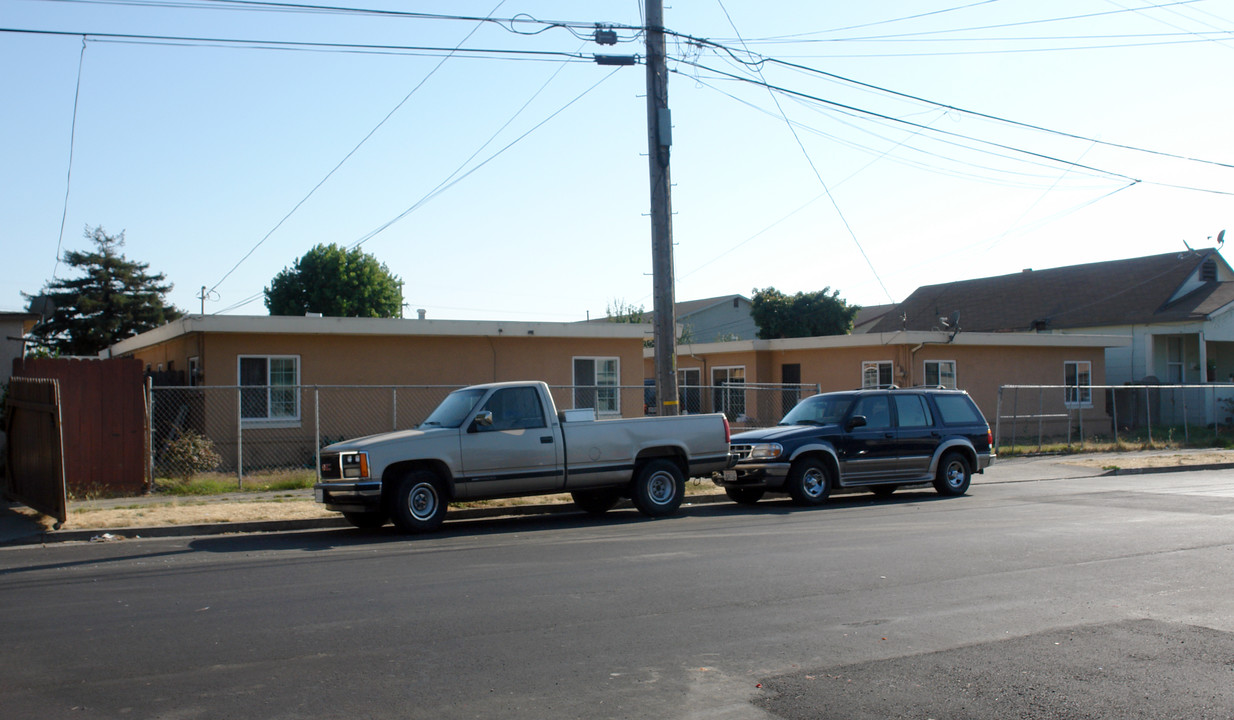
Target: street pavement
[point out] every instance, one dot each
(21, 529)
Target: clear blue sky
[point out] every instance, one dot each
(198, 150)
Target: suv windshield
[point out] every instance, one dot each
(819, 410)
(453, 410)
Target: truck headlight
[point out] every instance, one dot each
(354, 465)
(766, 451)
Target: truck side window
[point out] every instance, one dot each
(515, 409)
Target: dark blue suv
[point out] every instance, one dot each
(879, 439)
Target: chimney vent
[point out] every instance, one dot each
(420, 313)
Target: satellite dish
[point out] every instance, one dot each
(1220, 239)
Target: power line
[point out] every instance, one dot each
(68, 179)
(353, 151)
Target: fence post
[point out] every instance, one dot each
(240, 437)
(394, 409)
(1114, 405)
(1040, 415)
(1212, 405)
(150, 431)
(1148, 414)
(998, 419)
(1186, 428)
(317, 430)
(1015, 415)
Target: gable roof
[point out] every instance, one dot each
(868, 315)
(1154, 289)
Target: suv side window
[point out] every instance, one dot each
(957, 409)
(913, 411)
(876, 409)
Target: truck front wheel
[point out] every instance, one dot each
(658, 488)
(419, 503)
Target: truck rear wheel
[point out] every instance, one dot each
(595, 502)
(658, 488)
(419, 503)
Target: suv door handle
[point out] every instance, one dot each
(546, 439)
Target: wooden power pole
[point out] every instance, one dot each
(659, 140)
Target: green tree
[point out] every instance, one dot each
(619, 311)
(336, 282)
(114, 298)
(802, 315)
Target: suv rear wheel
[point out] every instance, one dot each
(954, 475)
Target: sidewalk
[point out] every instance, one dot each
(17, 528)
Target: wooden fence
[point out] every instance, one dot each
(36, 446)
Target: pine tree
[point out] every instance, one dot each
(114, 298)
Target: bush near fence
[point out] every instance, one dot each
(327, 414)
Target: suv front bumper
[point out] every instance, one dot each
(770, 476)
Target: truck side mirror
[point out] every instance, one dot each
(482, 420)
(855, 421)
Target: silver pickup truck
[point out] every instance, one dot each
(506, 440)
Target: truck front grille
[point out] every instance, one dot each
(330, 469)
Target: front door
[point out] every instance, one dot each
(869, 452)
(515, 455)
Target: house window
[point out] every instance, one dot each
(1174, 360)
(595, 384)
(940, 373)
(269, 388)
(876, 373)
(729, 394)
(1077, 377)
(194, 370)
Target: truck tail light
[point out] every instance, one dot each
(728, 431)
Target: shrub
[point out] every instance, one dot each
(188, 454)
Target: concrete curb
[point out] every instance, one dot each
(272, 526)
(1167, 469)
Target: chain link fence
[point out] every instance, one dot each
(1031, 416)
(269, 430)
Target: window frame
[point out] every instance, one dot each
(269, 420)
(925, 371)
(724, 398)
(596, 386)
(1077, 394)
(877, 366)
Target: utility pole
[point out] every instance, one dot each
(659, 140)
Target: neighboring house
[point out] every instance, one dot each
(264, 373)
(1174, 309)
(714, 319)
(868, 317)
(976, 362)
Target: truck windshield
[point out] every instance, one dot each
(454, 410)
(819, 410)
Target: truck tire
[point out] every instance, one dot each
(809, 482)
(419, 502)
(367, 520)
(595, 502)
(954, 474)
(658, 488)
(744, 496)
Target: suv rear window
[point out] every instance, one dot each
(957, 409)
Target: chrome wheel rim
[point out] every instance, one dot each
(955, 473)
(422, 501)
(814, 483)
(661, 488)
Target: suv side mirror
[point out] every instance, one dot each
(855, 421)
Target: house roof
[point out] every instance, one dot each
(373, 326)
(868, 316)
(689, 307)
(1153, 289)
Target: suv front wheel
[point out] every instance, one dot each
(809, 482)
(954, 475)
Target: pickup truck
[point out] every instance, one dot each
(508, 440)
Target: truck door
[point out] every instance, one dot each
(518, 453)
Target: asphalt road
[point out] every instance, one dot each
(1101, 597)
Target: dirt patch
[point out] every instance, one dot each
(1155, 460)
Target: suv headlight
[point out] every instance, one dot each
(354, 465)
(765, 451)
